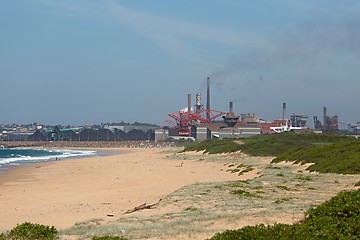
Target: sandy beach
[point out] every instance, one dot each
(62, 193)
(195, 195)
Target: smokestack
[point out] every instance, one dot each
(189, 103)
(198, 103)
(208, 100)
(230, 119)
(325, 113)
(284, 112)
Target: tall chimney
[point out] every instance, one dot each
(325, 113)
(189, 103)
(230, 119)
(198, 103)
(284, 112)
(208, 100)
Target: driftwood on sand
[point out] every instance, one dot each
(141, 207)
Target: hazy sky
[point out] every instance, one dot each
(87, 62)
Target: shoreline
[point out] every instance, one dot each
(34, 160)
(18, 170)
(102, 148)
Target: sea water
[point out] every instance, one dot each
(24, 156)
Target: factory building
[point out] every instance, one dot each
(239, 132)
(90, 134)
(227, 129)
(161, 134)
(201, 133)
(298, 121)
(96, 135)
(230, 118)
(201, 124)
(329, 125)
(38, 135)
(251, 118)
(195, 122)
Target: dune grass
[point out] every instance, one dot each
(340, 157)
(337, 218)
(329, 153)
(214, 147)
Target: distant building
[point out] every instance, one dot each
(329, 125)
(114, 127)
(268, 128)
(161, 134)
(38, 135)
(239, 132)
(96, 135)
(251, 118)
(298, 121)
(214, 131)
(200, 133)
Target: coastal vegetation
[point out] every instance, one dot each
(276, 193)
(337, 218)
(339, 157)
(328, 153)
(213, 147)
(34, 231)
(31, 231)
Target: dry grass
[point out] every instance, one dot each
(279, 193)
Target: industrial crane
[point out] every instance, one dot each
(184, 119)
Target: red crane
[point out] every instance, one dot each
(183, 120)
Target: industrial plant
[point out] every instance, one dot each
(192, 123)
(198, 123)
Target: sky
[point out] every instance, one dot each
(89, 62)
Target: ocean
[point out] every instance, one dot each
(10, 157)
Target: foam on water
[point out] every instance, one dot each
(15, 157)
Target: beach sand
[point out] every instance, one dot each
(198, 192)
(62, 193)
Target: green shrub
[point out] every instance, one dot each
(243, 193)
(259, 232)
(269, 145)
(31, 231)
(337, 218)
(214, 146)
(339, 157)
(2, 236)
(277, 144)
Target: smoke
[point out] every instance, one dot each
(296, 64)
(311, 41)
(315, 46)
(238, 65)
